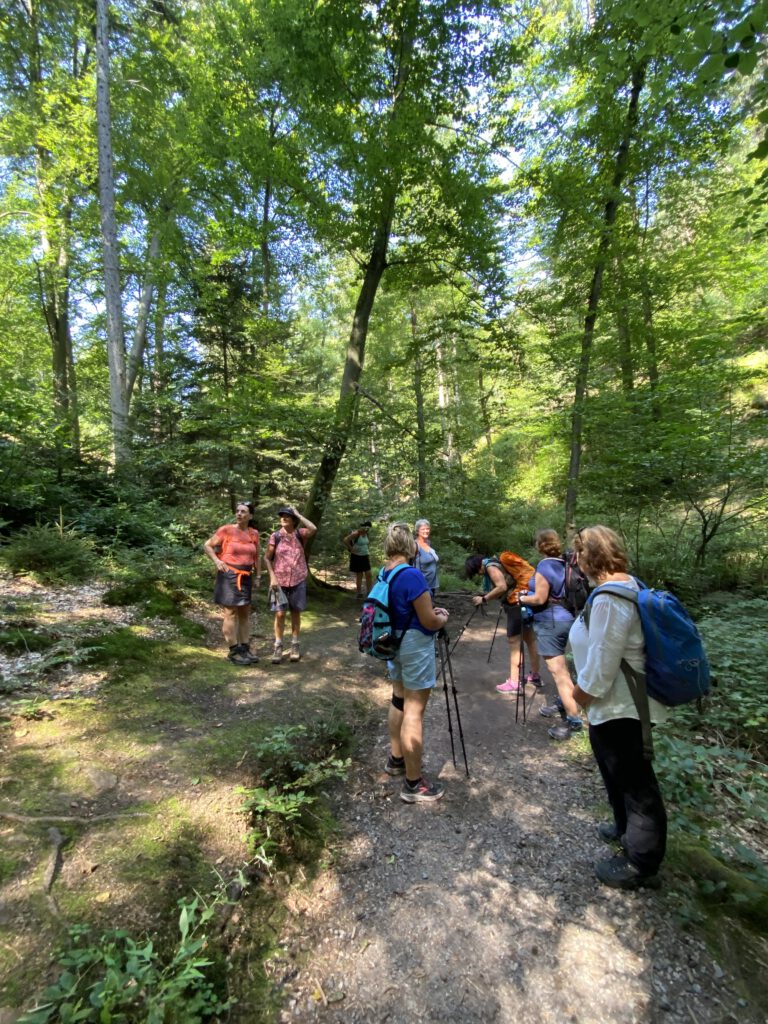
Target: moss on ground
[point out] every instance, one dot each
(20, 639)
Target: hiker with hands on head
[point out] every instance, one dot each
(286, 562)
(234, 550)
(552, 623)
(499, 583)
(356, 544)
(615, 633)
(412, 670)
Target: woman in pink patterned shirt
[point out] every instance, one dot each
(286, 562)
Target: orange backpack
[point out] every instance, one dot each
(517, 573)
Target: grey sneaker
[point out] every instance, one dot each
(395, 765)
(422, 793)
(565, 730)
(277, 654)
(295, 654)
(553, 710)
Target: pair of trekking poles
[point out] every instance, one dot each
(521, 687)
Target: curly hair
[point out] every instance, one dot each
(399, 541)
(600, 550)
(548, 543)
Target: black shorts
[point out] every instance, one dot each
(359, 563)
(517, 619)
(226, 591)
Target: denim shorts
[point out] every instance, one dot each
(414, 663)
(297, 596)
(552, 635)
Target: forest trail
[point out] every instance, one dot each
(480, 908)
(484, 907)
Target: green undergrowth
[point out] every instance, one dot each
(113, 977)
(52, 553)
(168, 714)
(289, 814)
(713, 768)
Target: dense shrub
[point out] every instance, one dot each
(55, 554)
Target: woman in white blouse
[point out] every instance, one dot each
(615, 633)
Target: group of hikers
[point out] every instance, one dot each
(543, 612)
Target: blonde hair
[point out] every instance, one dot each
(548, 542)
(399, 541)
(601, 550)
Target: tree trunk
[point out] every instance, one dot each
(158, 360)
(118, 392)
(442, 404)
(595, 290)
(353, 367)
(649, 335)
(418, 391)
(623, 331)
(486, 417)
(142, 316)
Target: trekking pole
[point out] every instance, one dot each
(455, 702)
(442, 634)
(520, 674)
(493, 639)
(478, 608)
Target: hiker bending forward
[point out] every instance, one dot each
(615, 633)
(286, 562)
(412, 670)
(498, 585)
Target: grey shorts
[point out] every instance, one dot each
(414, 663)
(297, 596)
(552, 636)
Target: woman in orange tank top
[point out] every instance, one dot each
(235, 551)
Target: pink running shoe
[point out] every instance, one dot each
(511, 686)
(534, 678)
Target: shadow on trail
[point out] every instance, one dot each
(483, 907)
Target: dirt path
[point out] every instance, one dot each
(480, 908)
(484, 907)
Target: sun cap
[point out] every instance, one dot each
(286, 510)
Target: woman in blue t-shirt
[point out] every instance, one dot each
(426, 556)
(552, 623)
(412, 670)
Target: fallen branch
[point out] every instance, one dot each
(50, 818)
(55, 861)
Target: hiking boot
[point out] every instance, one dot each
(295, 654)
(422, 793)
(608, 832)
(534, 679)
(395, 765)
(566, 729)
(277, 654)
(553, 710)
(619, 873)
(238, 656)
(510, 686)
(252, 658)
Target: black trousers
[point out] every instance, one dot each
(633, 791)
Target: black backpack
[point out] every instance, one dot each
(576, 588)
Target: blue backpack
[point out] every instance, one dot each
(377, 635)
(676, 666)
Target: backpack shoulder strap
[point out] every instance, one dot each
(635, 679)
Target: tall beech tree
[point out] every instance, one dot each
(389, 145)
